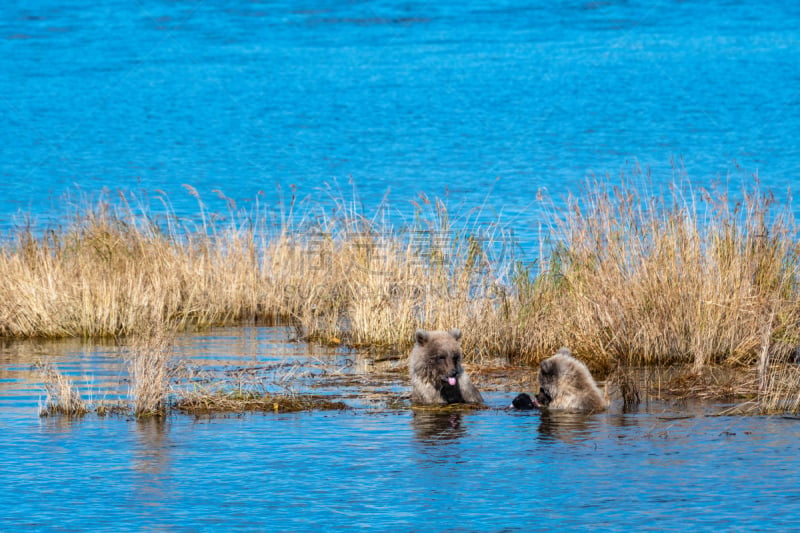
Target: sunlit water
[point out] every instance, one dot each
(378, 465)
(485, 103)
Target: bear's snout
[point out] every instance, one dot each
(543, 398)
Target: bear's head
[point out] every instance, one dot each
(549, 375)
(441, 356)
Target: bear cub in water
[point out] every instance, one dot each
(437, 376)
(565, 383)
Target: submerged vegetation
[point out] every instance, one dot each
(222, 402)
(624, 278)
(159, 385)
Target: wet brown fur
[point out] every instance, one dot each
(565, 383)
(436, 356)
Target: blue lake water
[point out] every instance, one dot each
(381, 472)
(455, 99)
(379, 465)
(484, 103)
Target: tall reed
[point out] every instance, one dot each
(149, 373)
(63, 398)
(780, 392)
(373, 285)
(682, 278)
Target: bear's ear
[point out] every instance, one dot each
(455, 333)
(421, 336)
(549, 367)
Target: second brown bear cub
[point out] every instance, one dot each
(437, 376)
(565, 383)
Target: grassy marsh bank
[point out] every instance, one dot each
(624, 278)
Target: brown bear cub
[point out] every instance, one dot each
(437, 376)
(565, 383)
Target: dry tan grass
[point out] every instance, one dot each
(686, 279)
(149, 372)
(236, 402)
(625, 278)
(779, 387)
(342, 279)
(63, 398)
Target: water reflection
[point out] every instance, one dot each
(566, 427)
(152, 453)
(58, 425)
(394, 469)
(151, 460)
(437, 427)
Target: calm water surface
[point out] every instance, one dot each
(376, 467)
(457, 99)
